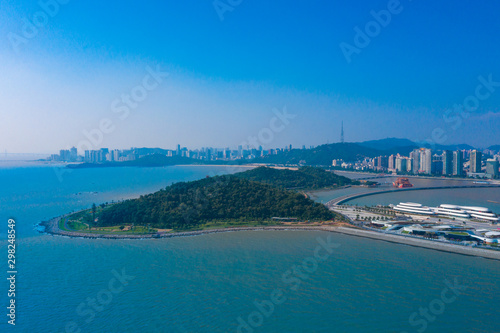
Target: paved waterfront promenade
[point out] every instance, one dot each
(434, 245)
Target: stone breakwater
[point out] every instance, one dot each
(52, 227)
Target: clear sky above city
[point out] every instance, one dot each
(386, 68)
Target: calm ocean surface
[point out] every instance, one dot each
(206, 283)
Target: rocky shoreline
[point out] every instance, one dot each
(52, 228)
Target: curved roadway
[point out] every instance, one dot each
(341, 200)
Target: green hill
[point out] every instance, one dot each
(303, 178)
(321, 155)
(224, 198)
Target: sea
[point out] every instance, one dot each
(252, 281)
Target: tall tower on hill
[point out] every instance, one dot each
(342, 133)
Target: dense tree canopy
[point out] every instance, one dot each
(187, 204)
(303, 178)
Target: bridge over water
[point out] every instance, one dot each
(343, 199)
(375, 177)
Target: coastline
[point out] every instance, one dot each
(217, 165)
(443, 247)
(52, 228)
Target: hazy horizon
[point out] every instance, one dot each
(33, 156)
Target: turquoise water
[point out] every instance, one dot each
(205, 283)
(484, 197)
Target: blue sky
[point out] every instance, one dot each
(226, 76)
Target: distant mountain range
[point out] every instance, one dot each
(324, 154)
(321, 155)
(392, 143)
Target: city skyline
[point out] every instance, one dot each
(234, 147)
(420, 161)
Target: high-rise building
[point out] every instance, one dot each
(402, 164)
(475, 161)
(73, 154)
(492, 168)
(437, 164)
(447, 162)
(116, 155)
(392, 162)
(381, 163)
(64, 155)
(458, 163)
(409, 166)
(102, 154)
(227, 153)
(425, 161)
(415, 160)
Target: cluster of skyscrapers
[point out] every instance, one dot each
(213, 154)
(426, 162)
(206, 154)
(66, 155)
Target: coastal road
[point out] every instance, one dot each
(341, 200)
(352, 213)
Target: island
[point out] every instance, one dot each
(262, 197)
(259, 199)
